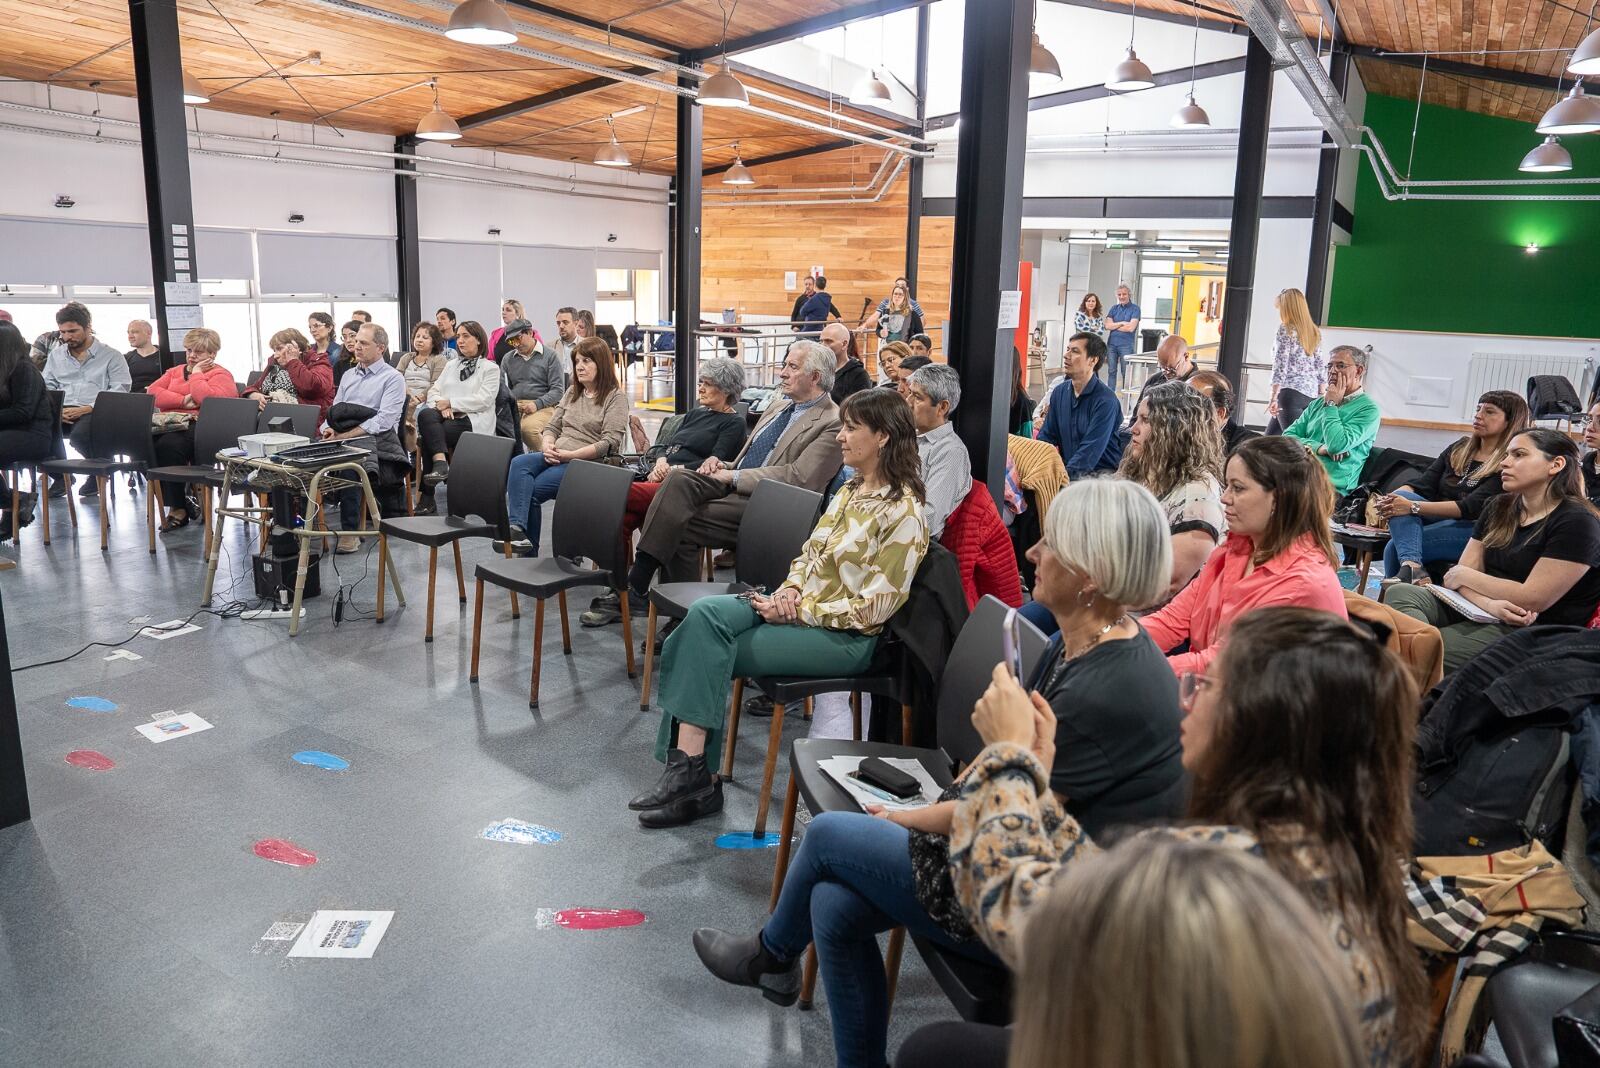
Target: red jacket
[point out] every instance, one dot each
(172, 388)
(978, 537)
(312, 376)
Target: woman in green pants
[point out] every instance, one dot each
(852, 574)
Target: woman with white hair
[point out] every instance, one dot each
(1118, 762)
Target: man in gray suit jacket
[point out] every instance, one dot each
(796, 442)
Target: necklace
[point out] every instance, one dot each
(1094, 641)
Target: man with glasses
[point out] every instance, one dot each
(1339, 427)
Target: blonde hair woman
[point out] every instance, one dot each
(889, 357)
(510, 312)
(181, 390)
(1298, 371)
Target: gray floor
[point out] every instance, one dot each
(131, 906)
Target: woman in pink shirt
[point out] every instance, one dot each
(1279, 551)
(182, 389)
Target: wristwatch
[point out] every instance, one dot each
(1416, 507)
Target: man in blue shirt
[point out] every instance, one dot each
(1122, 325)
(373, 383)
(1084, 413)
(814, 312)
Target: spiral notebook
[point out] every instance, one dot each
(1460, 604)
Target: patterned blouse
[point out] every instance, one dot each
(855, 570)
(1196, 505)
(1295, 368)
(1003, 859)
(1089, 324)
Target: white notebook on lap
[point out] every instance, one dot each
(1460, 604)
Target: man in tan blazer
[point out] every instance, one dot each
(796, 442)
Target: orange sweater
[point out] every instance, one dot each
(172, 388)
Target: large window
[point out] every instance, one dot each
(624, 296)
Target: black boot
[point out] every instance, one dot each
(684, 810)
(25, 503)
(746, 962)
(685, 778)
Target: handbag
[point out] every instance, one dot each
(1375, 518)
(1352, 507)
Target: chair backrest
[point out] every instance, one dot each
(58, 401)
(979, 647)
(305, 417)
(1552, 396)
(776, 523)
(608, 333)
(589, 508)
(477, 483)
(121, 427)
(222, 422)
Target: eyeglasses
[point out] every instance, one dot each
(1190, 684)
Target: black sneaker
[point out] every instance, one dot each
(426, 506)
(90, 488)
(759, 706)
(685, 778)
(58, 487)
(439, 472)
(662, 633)
(746, 962)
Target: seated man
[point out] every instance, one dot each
(1084, 414)
(933, 393)
(1340, 426)
(371, 382)
(536, 377)
(1215, 385)
(1173, 365)
(795, 442)
(82, 367)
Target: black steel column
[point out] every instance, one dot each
(1255, 122)
(686, 252)
(1322, 216)
(13, 784)
(164, 140)
(989, 162)
(914, 181)
(408, 249)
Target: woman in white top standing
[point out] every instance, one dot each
(1299, 371)
(460, 399)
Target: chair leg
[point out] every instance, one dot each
(383, 566)
(461, 576)
(733, 730)
(433, 577)
(411, 502)
(44, 499)
(477, 632)
(538, 651)
(149, 517)
(808, 979)
(1363, 566)
(774, 743)
(855, 715)
(791, 801)
(205, 524)
(105, 514)
(806, 709)
(649, 659)
(891, 962)
(906, 725)
(16, 503)
(566, 627)
(627, 628)
(708, 569)
(516, 609)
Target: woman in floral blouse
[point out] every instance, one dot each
(1299, 370)
(851, 576)
(1090, 317)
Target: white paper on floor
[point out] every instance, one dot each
(839, 768)
(172, 628)
(172, 725)
(123, 654)
(342, 933)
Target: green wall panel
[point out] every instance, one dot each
(1461, 267)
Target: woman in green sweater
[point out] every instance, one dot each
(1340, 426)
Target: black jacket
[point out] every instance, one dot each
(925, 629)
(851, 378)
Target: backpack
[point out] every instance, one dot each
(1512, 783)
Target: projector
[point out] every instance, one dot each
(270, 444)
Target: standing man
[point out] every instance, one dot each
(566, 335)
(1084, 413)
(816, 309)
(445, 318)
(144, 359)
(806, 293)
(1122, 339)
(361, 316)
(849, 374)
(933, 391)
(535, 375)
(1339, 427)
(82, 367)
(1172, 365)
(371, 382)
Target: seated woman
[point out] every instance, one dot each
(1279, 551)
(462, 398)
(1591, 441)
(347, 350)
(851, 576)
(1431, 519)
(714, 427)
(1299, 741)
(1109, 709)
(181, 390)
(1533, 554)
(889, 357)
(588, 425)
(25, 417)
(1225, 944)
(296, 374)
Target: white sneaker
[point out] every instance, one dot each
(348, 544)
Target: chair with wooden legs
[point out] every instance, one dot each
(119, 440)
(979, 992)
(590, 506)
(775, 525)
(476, 488)
(40, 486)
(221, 423)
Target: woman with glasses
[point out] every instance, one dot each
(1109, 711)
(1276, 500)
(1591, 441)
(1430, 519)
(1298, 739)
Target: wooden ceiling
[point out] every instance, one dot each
(371, 76)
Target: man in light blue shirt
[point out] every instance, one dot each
(82, 368)
(373, 383)
(1122, 337)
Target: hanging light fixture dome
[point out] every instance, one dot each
(1547, 157)
(193, 91)
(482, 22)
(1574, 113)
(1130, 75)
(437, 125)
(612, 154)
(1585, 58)
(723, 90)
(1043, 68)
(1191, 114)
(738, 174)
(870, 90)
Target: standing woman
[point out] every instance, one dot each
(320, 326)
(24, 416)
(498, 345)
(1090, 318)
(461, 399)
(902, 319)
(1298, 370)
(296, 374)
(182, 389)
(1430, 520)
(588, 425)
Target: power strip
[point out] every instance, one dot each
(269, 613)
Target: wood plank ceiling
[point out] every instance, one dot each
(370, 76)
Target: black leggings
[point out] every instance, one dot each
(174, 448)
(1291, 403)
(971, 1045)
(437, 434)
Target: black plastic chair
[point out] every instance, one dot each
(221, 423)
(1526, 997)
(1551, 397)
(776, 523)
(303, 417)
(590, 506)
(477, 487)
(119, 440)
(57, 445)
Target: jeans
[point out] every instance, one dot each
(531, 482)
(1114, 366)
(1040, 616)
(850, 880)
(1291, 405)
(1413, 537)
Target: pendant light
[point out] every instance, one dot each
(870, 91)
(612, 154)
(1547, 157)
(1192, 114)
(437, 125)
(1586, 57)
(1043, 68)
(723, 90)
(1573, 114)
(738, 174)
(1131, 74)
(193, 91)
(482, 22)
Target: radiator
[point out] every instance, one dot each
(1511, 371)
